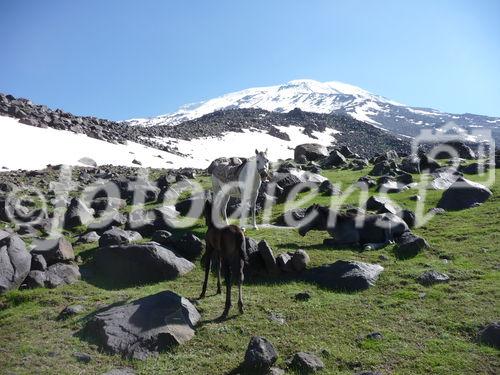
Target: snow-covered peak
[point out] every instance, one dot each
(306, 94)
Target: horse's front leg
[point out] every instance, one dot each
(208, 263)
(225, 201)
(254, 204)
(219, 270)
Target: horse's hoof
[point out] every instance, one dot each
(219, 291)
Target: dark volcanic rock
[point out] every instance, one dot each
(490, 335)
(117, 236)
(188, 246)
(77, 214)
(56, 275)
(432, 277)
(15, 261)
(345, 275)
(311, 151)
(131, 264)
(306, 362)
(381, 205)
(409, 245)
(463, 194)
(260, 354)
(54, 250)
(145, 327)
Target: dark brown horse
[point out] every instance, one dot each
(226, 244)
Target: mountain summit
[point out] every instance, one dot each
(328, 97)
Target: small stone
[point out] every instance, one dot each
(432, 277)
(82, 357)
(70, 311)
(120, 371)
(303, 296)
(375, 336)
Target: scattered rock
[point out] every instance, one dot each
(267, 256)
(345, 275)
(303, 296)
(144, 327)
(260, 354)
(381, 205)
(82, 357)
(490, 335)
(327, 188)
(71, 310)
(77, 214)
(162, 237)
(284, 262)
(38, 263)
(188, 246)
(306, 362)
(117, 236)
(15, 261)
(89, 237)
(121, 371)
(300, 260)
(409, 245)
(140, 263)
(311, 151)
(432, 277)
(463, 194)
(54, 250)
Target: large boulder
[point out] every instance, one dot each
(345, 275)
(144, 327)
(312, 151)
(463, 151)
(54, 250)
(136, 264)
(15, 261)
(463, 194)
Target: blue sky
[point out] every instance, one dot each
(122, 59)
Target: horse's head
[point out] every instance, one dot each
(315, 218)
(262, 163)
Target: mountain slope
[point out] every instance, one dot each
(329, 97)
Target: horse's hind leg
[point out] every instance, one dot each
(241, 277)
(227, 277)
(219, 270)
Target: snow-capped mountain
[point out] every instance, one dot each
(308, 95)
(328, 97)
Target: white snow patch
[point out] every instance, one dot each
(29, 147)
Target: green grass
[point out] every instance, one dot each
(427, 330)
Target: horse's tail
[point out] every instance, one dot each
(243, 247)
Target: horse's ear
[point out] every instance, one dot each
(265, 152)
(256, 152)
